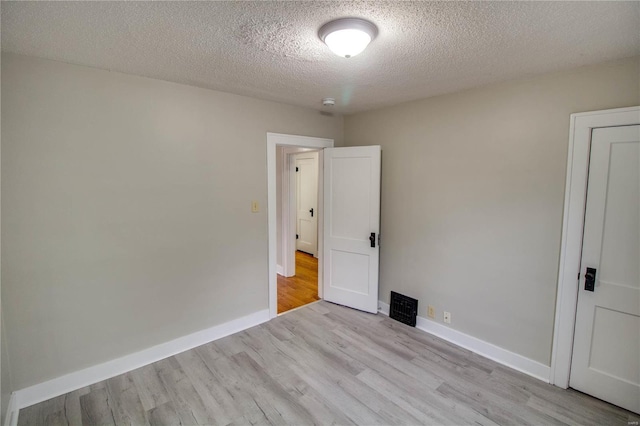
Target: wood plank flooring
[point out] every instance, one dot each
(302, 288)
(325, 364)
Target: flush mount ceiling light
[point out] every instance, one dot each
(347, 37)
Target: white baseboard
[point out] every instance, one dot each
(383, 308)
(79, 379)
(486, 349)
(11, 416)
(279, 270)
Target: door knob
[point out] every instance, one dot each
(372, 239)
(590, 279)
(311, 211)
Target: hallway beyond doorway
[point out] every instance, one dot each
(302, 288)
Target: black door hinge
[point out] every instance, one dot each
(297, 170)
(297, 236)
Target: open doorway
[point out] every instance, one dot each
(302, 288)
(282, 220)
(298, 212)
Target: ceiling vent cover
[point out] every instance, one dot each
(403, 308)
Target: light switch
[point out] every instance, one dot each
(255, 207)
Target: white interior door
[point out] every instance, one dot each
(351, 219)
(307, 202)
(606, 348)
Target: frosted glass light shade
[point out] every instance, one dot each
(347, 43)
(347, 37)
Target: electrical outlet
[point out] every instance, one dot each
(255, 207)
(447, 317)
(432, 312)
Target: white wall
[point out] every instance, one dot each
(472, 198)
(5, 378)
(126, 206)
(126, 211)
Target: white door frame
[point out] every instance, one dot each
(581, 125)
(289, 221)
(287, 236)
(274, 139)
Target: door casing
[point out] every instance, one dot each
(293, 196)
(288, 234)
(273, 140)
(581, 125)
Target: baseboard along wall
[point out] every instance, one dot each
(11, 416)
(79, 379)
(488, 350)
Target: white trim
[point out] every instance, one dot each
(11, 416)
(288, 208)
(383, 308)
(79, 379)
(287, 236)
(488, 350)
(274, 139)
(280, 270)
(292, 214)
(320, 222)
(581, 125)
(293, 199)
(289, 200)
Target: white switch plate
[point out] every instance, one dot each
(255, 207)
(431, 311)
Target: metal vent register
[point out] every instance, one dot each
(403, 308)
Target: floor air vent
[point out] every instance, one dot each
(403, 309)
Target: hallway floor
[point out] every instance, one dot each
(302, 288)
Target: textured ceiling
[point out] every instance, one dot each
(270, 50)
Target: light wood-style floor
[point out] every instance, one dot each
(302, 288)
(325, 364)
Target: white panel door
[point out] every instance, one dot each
(307, 202)
(351, 226)
(606, 346)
